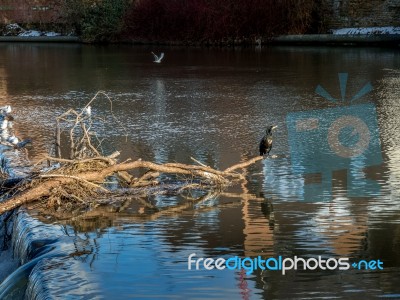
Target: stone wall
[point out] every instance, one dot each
(363, 13)
(30, 11)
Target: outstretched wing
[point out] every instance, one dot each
(161, 56)
(155, 56)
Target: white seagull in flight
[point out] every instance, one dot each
(158, 59)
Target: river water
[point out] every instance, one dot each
(330, 188)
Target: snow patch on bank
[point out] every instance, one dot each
(15, 30)
(367, 30)
(39, 33)
(30, 33)
(52, 33)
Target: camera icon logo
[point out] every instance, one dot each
(360, 129)
(341, 138)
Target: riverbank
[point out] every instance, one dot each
(333, 39)
(305, 39)
(40, 39)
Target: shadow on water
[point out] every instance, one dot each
(317, 197)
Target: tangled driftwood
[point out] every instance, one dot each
(73, 181)
(81, 177)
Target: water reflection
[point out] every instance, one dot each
(214, 105)
(3, 84)
(342, 138)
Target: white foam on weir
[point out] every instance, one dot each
(15, 166)
(7, 264)
(45, 254)
(69, 278)
(31, 33)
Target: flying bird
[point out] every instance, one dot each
(158, 59)
(266, 142)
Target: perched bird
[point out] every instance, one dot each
(87, 111)
(158, 59)
(4, 135)
(13, 140)
(23, 143)
(16, 144)
(266, 142)
(5, 110)
(4, 124)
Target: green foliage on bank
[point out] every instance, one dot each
(192, 20)
(96, 20)
(221, 20)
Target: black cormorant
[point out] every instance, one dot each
(266, 142)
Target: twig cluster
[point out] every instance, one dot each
(81, 178)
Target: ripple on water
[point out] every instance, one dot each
(213, 106)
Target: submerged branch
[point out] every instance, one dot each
(43, 185)
(82, 177)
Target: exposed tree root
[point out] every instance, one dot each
(79, 183)
(81, 178)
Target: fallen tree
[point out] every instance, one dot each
(81, 178)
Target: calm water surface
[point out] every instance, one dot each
(331, 189)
